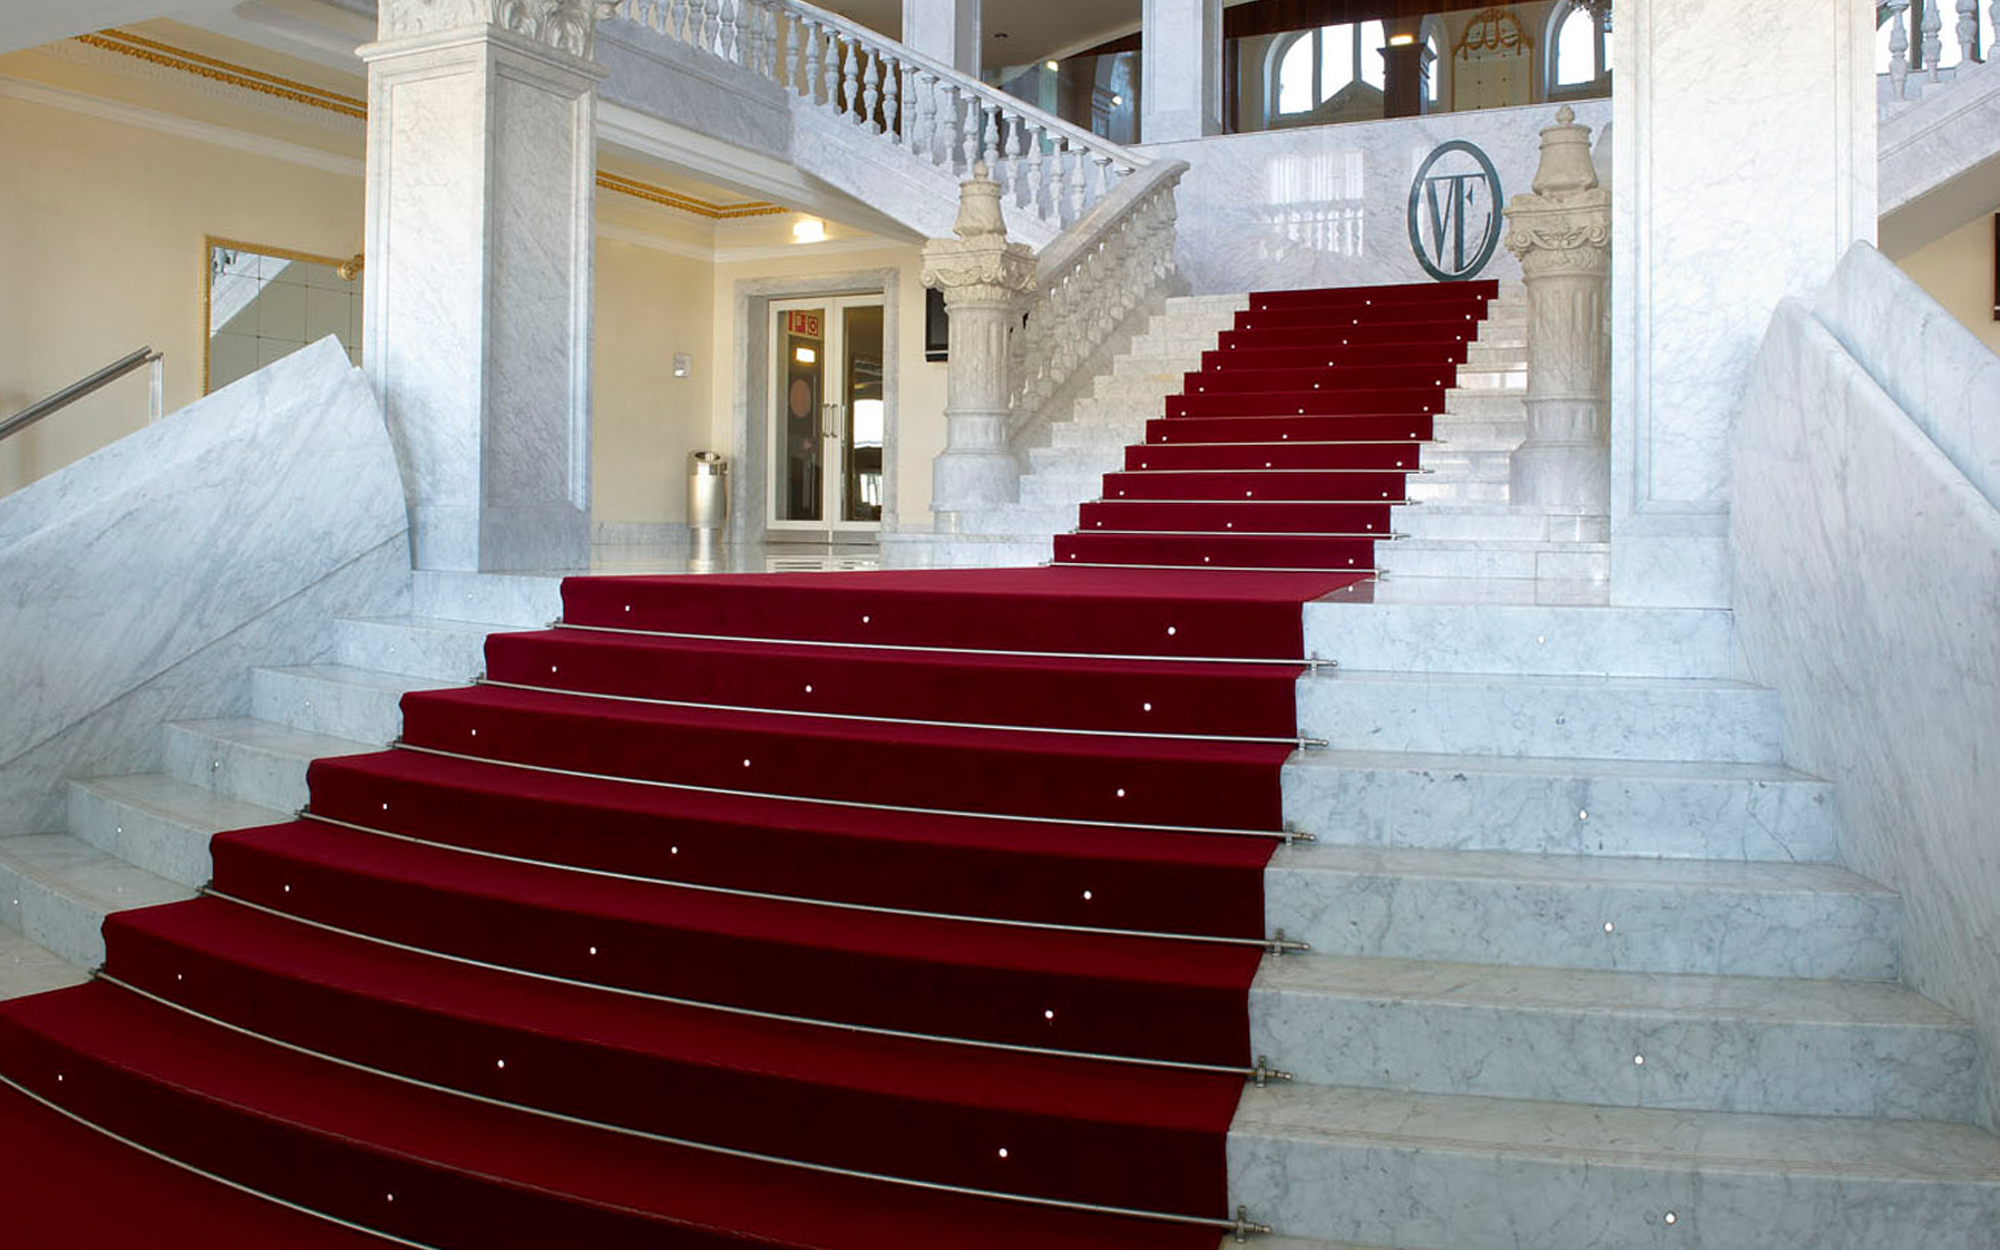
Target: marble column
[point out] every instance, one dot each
(1180, 80)
(1740, 179)
(945, 30)
(480, 194)
(1562, 233)
(985, 279)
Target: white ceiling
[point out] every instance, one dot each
(1035, 29)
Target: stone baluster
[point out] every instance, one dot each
(1017, 151)
(871, 89)
(970, 123)
(891, 100)
(792, 55)
(1103, 162)
(1899, 47)
(850, 97)
(923, 114)
(832, 70)
(1036, 163)
(984, 279)
(989, 132)
(1562, 233)
(1968, 32)
(1079, 179)
(1933, 33)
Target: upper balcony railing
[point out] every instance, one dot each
(1048, 167)
(1925, 43)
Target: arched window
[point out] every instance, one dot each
(1314, 66)
(1579, 50)
(1433, 39)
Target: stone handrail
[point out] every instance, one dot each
(1116, 261)
(1047, 167)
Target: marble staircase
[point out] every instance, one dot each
(1581, 955)
(1584, 970)
(1460, 522)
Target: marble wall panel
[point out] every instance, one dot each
(1329, 205)
(1727, 200)
(1868, 594)
(226, 536)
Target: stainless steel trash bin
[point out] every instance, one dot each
(708, 490)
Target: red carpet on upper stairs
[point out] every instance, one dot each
(887, 910)
(1288, 447)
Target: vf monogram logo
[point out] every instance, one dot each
(1455, 211)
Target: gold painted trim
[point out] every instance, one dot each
(153, 51)
(686, 203)
(348, 269)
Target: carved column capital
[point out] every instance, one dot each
(565, 25)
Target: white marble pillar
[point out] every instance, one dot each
(945, 30)
(1180, 80)
(1739, 178)
(481, 177)
(984, 279)
(1562, 233)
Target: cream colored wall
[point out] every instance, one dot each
(101, 252)
(1957, 271)
(919, 428)
(650, 305)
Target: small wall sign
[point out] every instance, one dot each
(1454, 218)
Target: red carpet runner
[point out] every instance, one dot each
(832, 910)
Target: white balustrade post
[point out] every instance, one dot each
(1968, 32)
(984, 279)
(1899, 46)
(480, 192)
(1933, 45)
(1562, 233)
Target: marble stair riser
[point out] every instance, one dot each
(249, 761)
(1444, 523)
(1522, 639)
(1452, 462)
(1469, 558)
(1458, 434)
(1560, 807)
(337, 702)
(1046, 489)
(1461, 404)
(1493, 379)
(1208, 305)
(169, 841)
(1436, 489)
(1146, 389)
(1603, 718)
(1020, 519)
(437, 650)
(1413, 1188)
(1075, 461)
(1093, 436)
(1561, 923)
(1700, 1063)
(1484, 355)
(522, 601)
(973, 551)
(55, 890)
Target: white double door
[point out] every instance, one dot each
(827, 419)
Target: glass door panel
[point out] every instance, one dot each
(829, 423)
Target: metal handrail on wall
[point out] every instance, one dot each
(96, 381)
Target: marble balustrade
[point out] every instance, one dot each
(147, 579)
(1867, 577)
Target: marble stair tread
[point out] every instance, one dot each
(520, 600)
(1665, 1040)
(30, 968)
(1583, 911)
(1462, 1172)
(1561, 805)
(1656, 995)
(259, 762)
(1583, 1134)
(159, 823)
(334, 699)
(1653, 718)
(56, 889)
(416, 646)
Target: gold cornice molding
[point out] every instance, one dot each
(685, 203)
(167, 56)
(228, 73)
